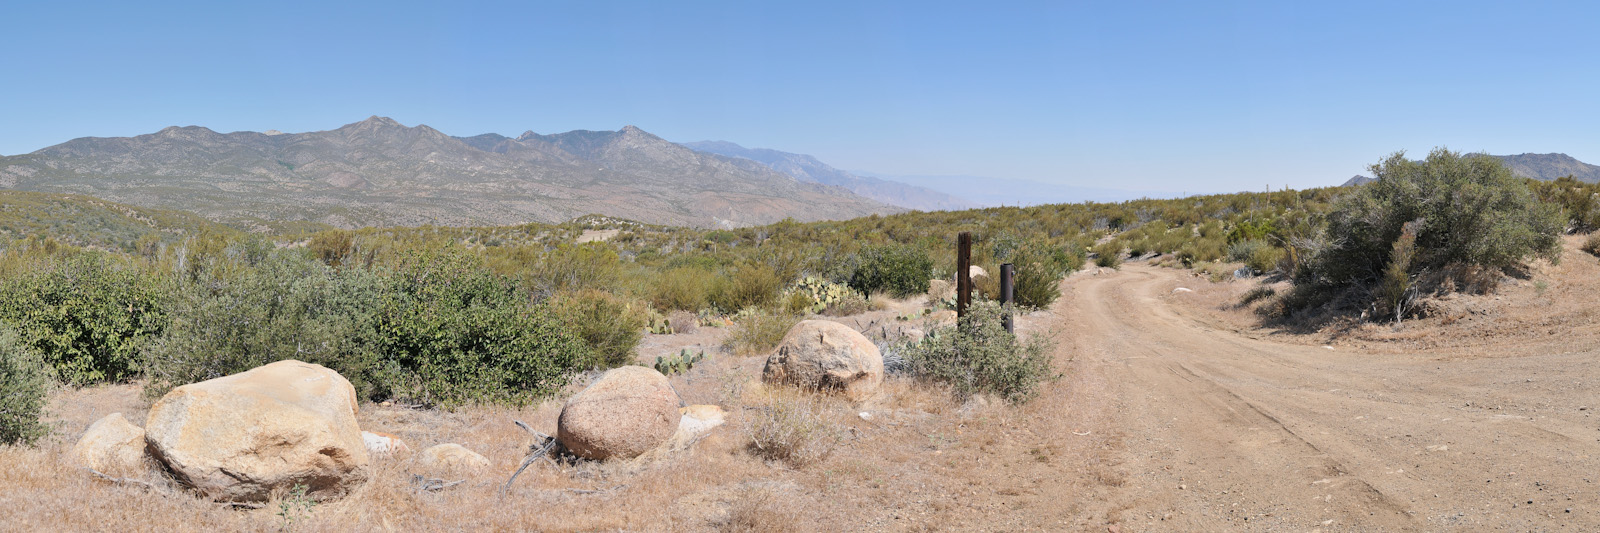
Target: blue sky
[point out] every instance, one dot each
(1190, 96)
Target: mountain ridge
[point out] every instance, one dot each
(380, 172)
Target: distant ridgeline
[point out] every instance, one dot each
(378, 172)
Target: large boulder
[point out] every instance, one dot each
(628, 411)
(248, 435)
(112, 445)
(827, 356)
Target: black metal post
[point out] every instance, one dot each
(963, 273)
(1007, 294)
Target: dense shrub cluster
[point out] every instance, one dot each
(978, 355)
(437, 329)
(24, 379)
(88, 316)
(900, 271)
(1462, 211)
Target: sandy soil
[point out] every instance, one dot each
(1176, 411)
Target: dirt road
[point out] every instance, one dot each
(1224, 430)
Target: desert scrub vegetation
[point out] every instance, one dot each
(24, 380)
(900, 271)
(977, 355)
(89, 315)
(437, 329)
(1592, 244)
(1455, 213)
(792, 427)
(757, 332)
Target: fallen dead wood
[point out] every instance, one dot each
(541, 447)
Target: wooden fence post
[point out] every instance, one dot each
(1007, 294)
(963, 273)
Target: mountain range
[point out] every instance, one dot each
(808, 169)
(378, 172)
(1547, 167)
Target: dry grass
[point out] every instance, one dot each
(793, 427)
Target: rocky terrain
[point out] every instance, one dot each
(378, 172)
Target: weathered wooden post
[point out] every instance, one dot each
(1007, 294)
(963, 273)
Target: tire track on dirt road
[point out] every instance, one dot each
(1229, 432)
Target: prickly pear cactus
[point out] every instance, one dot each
(822, 293)
(680, 363)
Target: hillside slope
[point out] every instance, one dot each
(807, 168)
(378, 172)
(1551, 166)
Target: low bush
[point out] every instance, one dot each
(978, 355)
(24, 381)
(759, 332)
(901, 271)
(682, 322)
(681, 288)
(610, 325)
(88, 317)
(1592, 244)
(1257, 294)
(750, 285)
(1108, 255)
(793, 428)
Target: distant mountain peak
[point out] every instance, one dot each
(527, 135)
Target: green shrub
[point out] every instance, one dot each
(759, 332)
(440, 329)
(576, 267)
(1257, 294)
(454, 332)
(1470, 210)
(1258, 255)
(89, 318)
(610, 325)
(899, 270)
(24, 380)
(749, 285)
(978, 355)
(681, 288)
(287, 306)
(1108, 254)
(1039, 270)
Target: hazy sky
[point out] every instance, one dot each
(1213, 96)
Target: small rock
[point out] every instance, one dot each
(1182, 289)
(697, 420)
(111, 445)
(383, 443)
(453, 458)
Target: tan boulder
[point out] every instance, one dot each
(245, 436)
(112, 445)
(975, 272)
(628, 411)
(453, 458)
(823, 355)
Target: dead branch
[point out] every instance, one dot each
(598, 491)
(540, 448)
(433, 485)
(124, 480)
